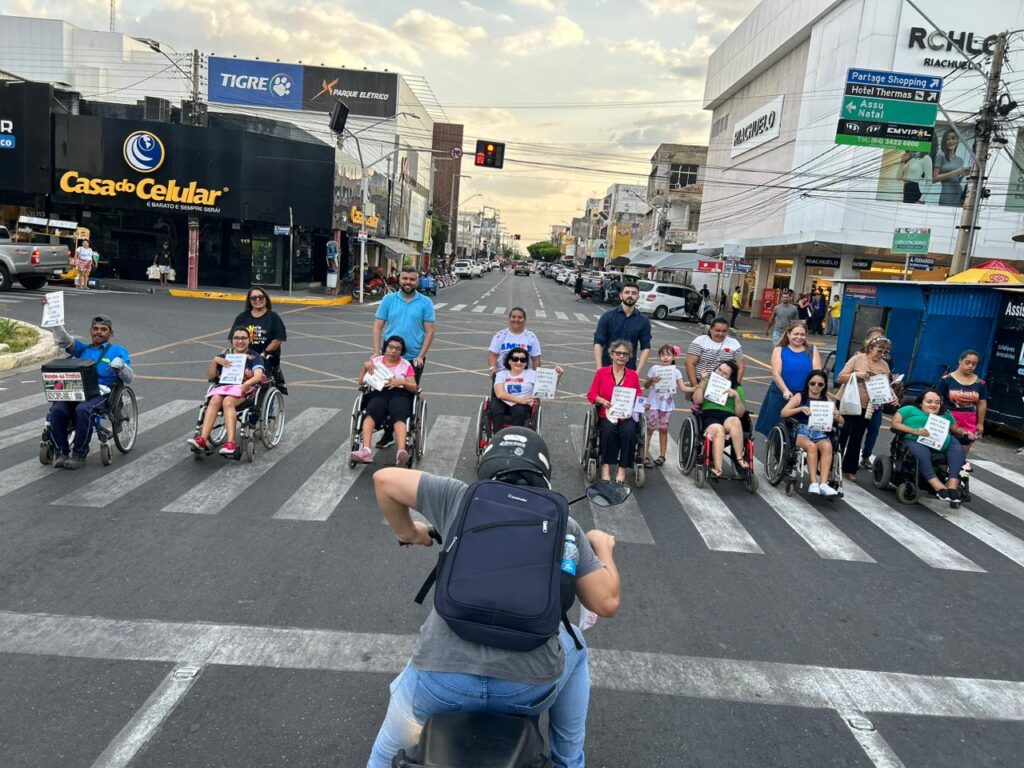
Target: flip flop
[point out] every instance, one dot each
(659, 461)
(648, 463)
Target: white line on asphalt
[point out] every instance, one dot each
(561, 315)
(148, 719)
(21, 404)
(29, 471)
(980, 528)
(499, 311)
(664, 325)
(229, 482)
(21, 433)
(441, 304)
(540, 313)
(758, 682)
(714, 521)
(480, 308)
(541, 303)
(1000, 471)
(625, 522)
(323, 491)
(810, 524)
(921, 544)
(997, 498)
(875, 747)
(458, 308)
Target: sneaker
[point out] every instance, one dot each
(362, 456)
(945, 495)
(827, 490)
(199, 443)
(814, 488)
(74, 462)
(401, 458)
(59, 460)
(228, 449)
(386, 440)
(954, 494)
(866, 463)
(967, 467)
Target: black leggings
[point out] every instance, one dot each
(505, 415)
(396, 403)
(618, 442)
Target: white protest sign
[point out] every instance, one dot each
(879, 391)
(640, 405)
(53, 310)
(234, 371)
(716, 388)
(822, 414)
(545, 383)
(622, 403)
(666, 384)
(381, 375)
(938, 431)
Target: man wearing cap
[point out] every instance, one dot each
(112, 363)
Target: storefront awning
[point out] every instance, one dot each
(681, 261)
(397, 247)
(647, 258)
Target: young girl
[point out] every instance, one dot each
(228, 397)
(662, 403)
(815, 443)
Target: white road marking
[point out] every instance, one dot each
(921, 544)
(714, 521)
(320, 495)
(581, 317)
(458, 307)
(561, 315)
(980, 528)
(480, 308)
(445, 304)
(758, 682)
(625, 522)
(501, 311)
(810, 524)
(997, 498)
(21, 433)
(875, 747)
(540, 313)
(999, 470)
(29, 471)
(229, 482)
(663, 325)
(148, 719)
(12, 407)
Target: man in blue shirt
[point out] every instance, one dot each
(113, 363)
(623, 322)
(408, 314)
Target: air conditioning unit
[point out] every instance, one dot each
(158, 110)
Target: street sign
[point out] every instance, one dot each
(363, 235)
(911, 240)
(889, 110)
(281, 230)
(920, 264)
(734, 251)
(448, 248)
(742, 269)
(709, 266)
(455, 152)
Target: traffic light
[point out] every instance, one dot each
(490, 154)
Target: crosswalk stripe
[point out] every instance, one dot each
(581, 317)
(458, 307)
(229, 482)
(1000, 471)
(441, 304)
(980, 528)
(561, 315)
(997, 498)
(480, 308)
(12, 300)
(714, 521)
(29, 471)
(625, 522)
(810, 525)
(541, 314)
(921, 544)
(22, 403)
(663, 325)
(320, 495)
(21, 433)
(499, 311)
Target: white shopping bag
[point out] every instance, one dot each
(849, 403)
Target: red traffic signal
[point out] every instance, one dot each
(490, 154)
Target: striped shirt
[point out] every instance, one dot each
(711, 353)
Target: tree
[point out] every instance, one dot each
(543, 250)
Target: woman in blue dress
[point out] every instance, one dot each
(792, 362)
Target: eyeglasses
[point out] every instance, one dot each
(517, 359)
(816, 384)
(257, 297)
(620, 354)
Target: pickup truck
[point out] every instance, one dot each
(31, 264)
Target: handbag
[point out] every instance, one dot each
(849, 400)
(171, 274)
(153, 272)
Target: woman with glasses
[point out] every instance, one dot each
(513, 391)
(856, 372)
(266, 332)
(617, 435)
(393, 401)
(227, 397)
(816, 444)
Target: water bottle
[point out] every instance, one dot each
(570, 555)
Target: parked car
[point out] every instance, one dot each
(477, 268)
(676, 302)
(463, 268)
(31, 264)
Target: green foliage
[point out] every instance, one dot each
(18, 337)
(542, 250)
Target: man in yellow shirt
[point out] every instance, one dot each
(737, 298)
(834, 313)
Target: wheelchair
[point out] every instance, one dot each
(416, 425)
(118, 422)
(785, 462)
(900, 468)
(695, 452)
(485, 426)
(260, 420)
(590, 450)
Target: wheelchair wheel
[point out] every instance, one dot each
(248, 449)
(124, 419)
(639, 475)
(419, 432)
(790, 487)
(591, 470)
(272, 418)
(106, 455)
(481, 429)
(907, 492)
(776, 454)
(687, 445)
(45, 450)
(588, 428)
(537, 421)
(750, 480)
(700, 475)
(881, 472)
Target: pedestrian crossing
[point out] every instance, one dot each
(540, 314)
(311, 484)
(33, 297)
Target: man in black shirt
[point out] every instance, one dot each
(623, 322)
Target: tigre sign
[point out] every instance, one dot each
(757, 128)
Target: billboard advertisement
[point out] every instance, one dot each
(254, 83)
(25, 138)
(938, 177)
(1015, 193)
(367, 94)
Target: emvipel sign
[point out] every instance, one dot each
(757, 128)
(7, 140)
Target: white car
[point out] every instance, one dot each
(463, 269)
(478, 268)
(672, 301)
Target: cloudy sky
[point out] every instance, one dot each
(583, 91)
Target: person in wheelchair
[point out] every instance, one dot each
(392, 403)
(724, 421)
(816, 444)
(266, 333)
(512, 403)
(617, 436)
(113, 364)
(911, 420)
(228, 398)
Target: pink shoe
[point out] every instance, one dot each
(228, 449)
(199, 443)
(362, 456)
(401, 458)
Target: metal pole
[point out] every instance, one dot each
(195, 86)
(291, 249)
(976, 182)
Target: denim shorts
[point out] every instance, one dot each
(814, 436)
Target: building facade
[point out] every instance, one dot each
(674, 193)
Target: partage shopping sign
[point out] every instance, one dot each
(889, 110)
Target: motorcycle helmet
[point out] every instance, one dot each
(518, 456)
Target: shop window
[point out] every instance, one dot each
(681, 176)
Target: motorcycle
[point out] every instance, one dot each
(375, 288)
(475, 739)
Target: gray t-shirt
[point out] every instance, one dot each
(784, 315)
(439, 649)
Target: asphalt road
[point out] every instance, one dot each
(173, 612)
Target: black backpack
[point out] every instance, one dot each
(499, 577)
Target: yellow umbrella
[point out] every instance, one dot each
(994, 272)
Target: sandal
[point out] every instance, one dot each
(648, 464)
(659, 461)
(716, 473)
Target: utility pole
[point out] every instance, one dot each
(195, 87)
(976, 182)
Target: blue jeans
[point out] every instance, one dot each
(871, 435)
(61, 415)
(415, 695)
(954, 458)
(833, 326)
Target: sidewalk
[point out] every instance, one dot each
(317, 296)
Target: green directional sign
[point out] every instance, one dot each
(889, 111)
(913, 240)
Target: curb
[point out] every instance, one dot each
(43, 350)
(224, 296)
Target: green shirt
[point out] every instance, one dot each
(914, 418)
(730, 402)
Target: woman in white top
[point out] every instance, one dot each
(916, 174)
(513, 391)
(83, 262)
(514, 337)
